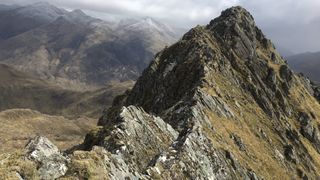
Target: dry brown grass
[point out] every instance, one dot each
(15, 162)
(20, 90)
(260, 155)
(18, 126)
(88, 165)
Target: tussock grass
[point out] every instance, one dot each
(18, 126)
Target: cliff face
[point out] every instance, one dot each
(218, 104)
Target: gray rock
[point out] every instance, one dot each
(272, 79)
(40, 148)
(309, 131)
(304, 119)
(193, 153)
(285, 73)
(290, 154)
(238, 141)
(134, 142)
(221, 79)
(52, 164)
(312, 87)
(316, 89)
(215, 104)
(252, 175)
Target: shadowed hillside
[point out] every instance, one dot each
(20, 90)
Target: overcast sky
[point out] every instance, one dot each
(292, 24)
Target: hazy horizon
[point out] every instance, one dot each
(291, 25)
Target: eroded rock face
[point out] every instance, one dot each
(312, 87)
(52, 164)
(316, 89)
(309, 130)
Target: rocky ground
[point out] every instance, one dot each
(219, 104)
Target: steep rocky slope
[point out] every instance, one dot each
(219, 104)
(76, 50)
(316, 90)
(306, 63)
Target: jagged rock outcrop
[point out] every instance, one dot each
(232, 99)
(312, 87)
(219, 104)
(51, 163)
(316, 90)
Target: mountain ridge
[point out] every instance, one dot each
(221, 103)
(217, 78)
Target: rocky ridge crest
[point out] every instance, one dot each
(219, 104)
(238, 109)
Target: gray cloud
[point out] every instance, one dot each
(293, 24)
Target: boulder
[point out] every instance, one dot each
(52, 164)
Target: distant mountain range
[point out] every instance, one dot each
(306, 63)
(72, 48)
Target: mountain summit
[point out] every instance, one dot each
(219, 104)
(17, 20)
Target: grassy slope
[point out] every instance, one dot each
(18, 90)
(30, 106)
(18, 126)
(257, 130)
